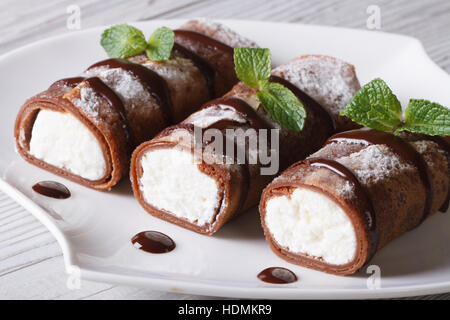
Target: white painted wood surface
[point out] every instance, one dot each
(31, 263)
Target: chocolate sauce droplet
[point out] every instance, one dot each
(277, 275)
(153, 242)
(52, 189)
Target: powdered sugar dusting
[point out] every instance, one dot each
(140, 58)
(205, 117)
(347, 190)
(374, 163)
(423, 145)
(330, 81)
(174, 70)
(219, 32)
(125, 85)
(428, 149)
(89, 101)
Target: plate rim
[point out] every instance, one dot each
(192, 287)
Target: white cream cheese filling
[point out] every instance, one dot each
(62, 140)
(311, 223)
(172, 181)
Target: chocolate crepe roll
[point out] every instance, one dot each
(333, 211)
(84, 128)
(214, 42)
(169, 181)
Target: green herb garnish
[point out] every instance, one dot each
(376, 107)
(123, 41)
(253, 67)
(160, 44)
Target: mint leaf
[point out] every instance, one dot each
(374, 106)
(122, 41)
(423, 116)
(160, 44)
(282, 105)
(253, 66)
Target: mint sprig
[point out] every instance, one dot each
(253, 67)
(123, 41)
(376, 106)
(423, 116)
(282, 106)
(160, 44)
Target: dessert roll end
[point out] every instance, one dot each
(171, 184)
(309, 226)
(60, 132)
(382, 186)
(62, 140)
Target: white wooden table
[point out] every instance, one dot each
(31, 263)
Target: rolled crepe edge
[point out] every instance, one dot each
(353, 211)
(116, 164)
(224, 212)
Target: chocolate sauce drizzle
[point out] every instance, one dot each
(105, 92)
(242, 108)
(155, 85)
(153, 242)
(255, 122)
(444, 144)
(208, 72)
(309, 103)
(360, 193)
(68, 82)
(52, 189)
(114, 101)
(203, 40)
(400, 147)
(277, 275)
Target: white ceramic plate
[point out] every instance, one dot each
(94, 228)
